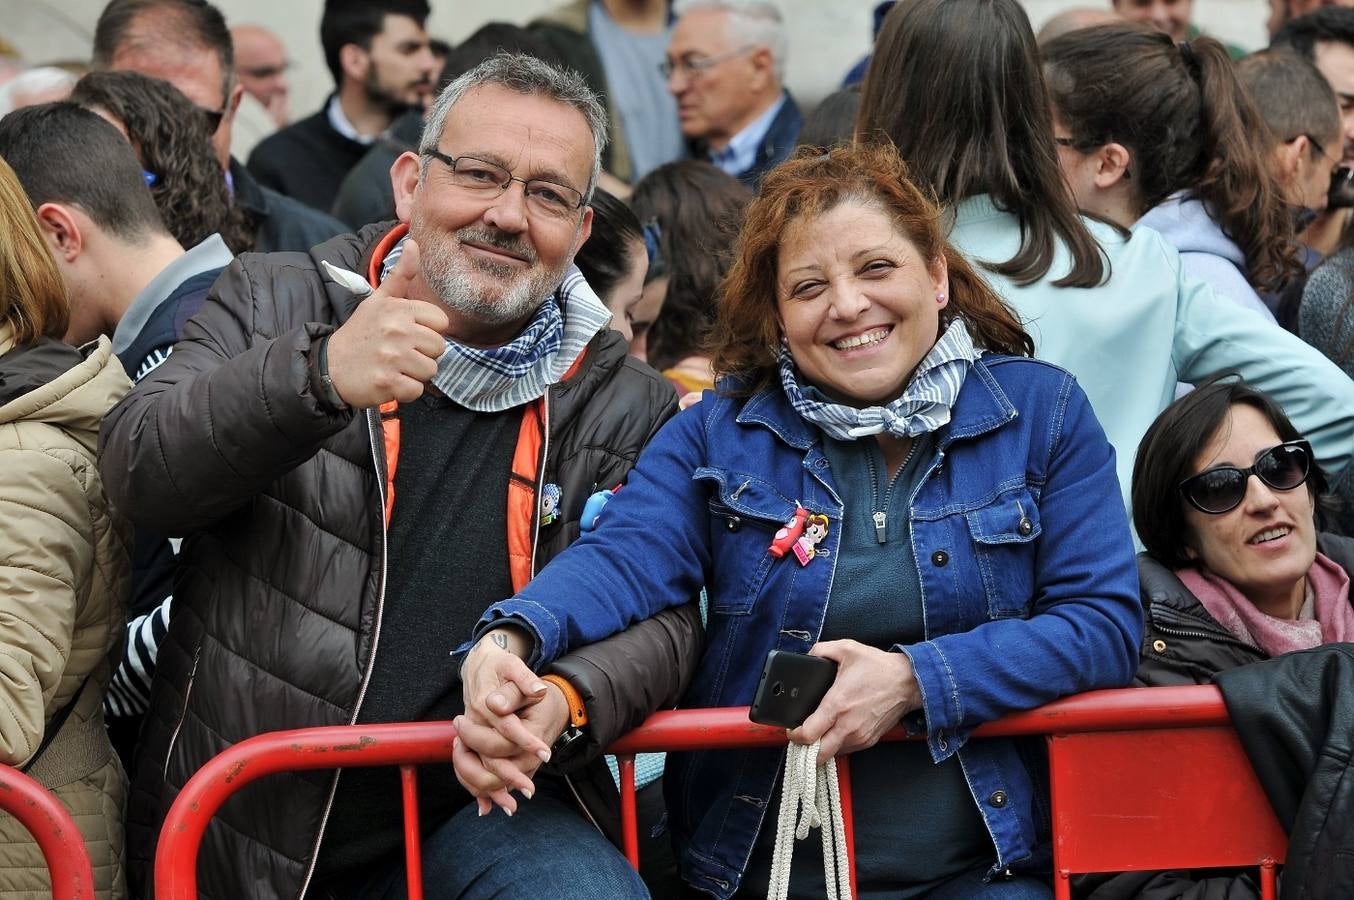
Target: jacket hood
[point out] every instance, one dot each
(1184, 221)
(51, 382)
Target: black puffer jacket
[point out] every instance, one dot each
(282, 575)
(1182, 643)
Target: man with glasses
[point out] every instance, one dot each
(367, 446)
(725, 66)
(1325, 38)
(186, 43)
(1304, 138)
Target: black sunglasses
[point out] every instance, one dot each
(1221, 489)
(212, 117)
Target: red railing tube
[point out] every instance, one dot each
(626, 766)
(1125, 709)
(413, 839)
(336, 747)
(47, 819)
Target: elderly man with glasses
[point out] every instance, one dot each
(366, 447)
(725, 66)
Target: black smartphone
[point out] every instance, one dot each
(792, 686)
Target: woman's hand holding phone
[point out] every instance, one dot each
(872, 692)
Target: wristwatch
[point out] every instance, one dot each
(329, 392)
(578, 715)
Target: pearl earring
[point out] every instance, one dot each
(940, 298)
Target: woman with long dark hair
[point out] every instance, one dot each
(1163, 134)
(957, 86)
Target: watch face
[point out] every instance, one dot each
(571, 736)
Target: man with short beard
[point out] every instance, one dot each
(366, 447)
(383, 66)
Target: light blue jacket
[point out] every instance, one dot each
(1151, 325)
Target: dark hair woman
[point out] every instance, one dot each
(615, 260)
(1225, 499)
(1162, 133)
(955, 562)
(958, 87)
(172, 139)
(698, 209)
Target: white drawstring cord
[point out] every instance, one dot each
(814, 788)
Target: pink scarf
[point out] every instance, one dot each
(1328, 619)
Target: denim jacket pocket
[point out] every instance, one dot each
(1004, 532)
(745, 513)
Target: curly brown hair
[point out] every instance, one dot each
(172, 139)
(746, 338)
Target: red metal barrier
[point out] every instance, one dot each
(405, 745)
(1126, 793)
(62, 845)
(1095, 739)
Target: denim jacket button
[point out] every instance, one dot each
(997, 800)
(940, 558)
(1025, 527)
(734, 523)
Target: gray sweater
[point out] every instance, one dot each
(1326, 316)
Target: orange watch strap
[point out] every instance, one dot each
(578, 710)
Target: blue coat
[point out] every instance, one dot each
(1023, 549)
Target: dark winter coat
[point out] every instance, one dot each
(282, 574)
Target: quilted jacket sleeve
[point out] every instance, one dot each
(230, 411)
(47, 550)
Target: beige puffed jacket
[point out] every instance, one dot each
(64, 562)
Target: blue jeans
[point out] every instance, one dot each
(969, 886)
(545, 850)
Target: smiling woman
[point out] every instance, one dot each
(1225, 496)
(959, 548)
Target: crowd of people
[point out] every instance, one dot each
(557, 377)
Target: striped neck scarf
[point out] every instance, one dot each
(923, 407)
(494, 379)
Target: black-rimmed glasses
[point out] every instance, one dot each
(491, 180)
(1222, 488)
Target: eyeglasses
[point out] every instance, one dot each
(212, 117)
(491, 180)
(1073, 144)
(1317, 146)
(262, 72)
(1221, 489)
(691, 66)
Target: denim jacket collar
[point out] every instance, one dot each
(982, 406)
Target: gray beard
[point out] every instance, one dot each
(450, 279)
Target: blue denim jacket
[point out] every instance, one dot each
(1030, 591)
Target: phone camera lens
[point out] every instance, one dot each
(777, 689)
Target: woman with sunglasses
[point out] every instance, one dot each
(1225, 495)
